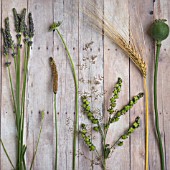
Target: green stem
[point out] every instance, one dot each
(18, 114)
(15, 63)
(55, 111)
(7, 154)
(33, 159)
(11, 85)
(104, 159)
(76, 100)
(26, 58)
(156, 107)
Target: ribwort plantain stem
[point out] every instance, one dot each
(56, 131)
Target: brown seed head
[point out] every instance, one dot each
(54, 74)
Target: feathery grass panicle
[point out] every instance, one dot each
(54, 74)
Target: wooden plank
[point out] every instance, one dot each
(90, 82)
(8, 126)
(139, 28)
(116, 64)
(64, 11)
(39, 95)
(161, 11)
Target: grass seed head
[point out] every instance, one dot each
(54, 74)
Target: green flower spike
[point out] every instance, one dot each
(86, 138)
(31, 26)
(115, 96)
(88, 112)
(8, 34)
(126, 108)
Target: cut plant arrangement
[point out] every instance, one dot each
(54, 27)
(12, 51)
(55, 89)
(159, 31)
(103, 127)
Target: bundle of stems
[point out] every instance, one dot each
(18, 89)
(102, 128)
(54, 27)
(55, 89)
(102, 24)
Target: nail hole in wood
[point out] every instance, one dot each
(151, 12)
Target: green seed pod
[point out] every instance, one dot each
(124, 137)
(88, 108)
(95, 121)
(84, 131)
(113, 104)
(83, 135)
(87, 139)
(159, 30)
(92, 148)
(120, 143)
(118, 114)
(135, 124)
(83, 125)
(131, 103)
(131, 130)
(96, 129)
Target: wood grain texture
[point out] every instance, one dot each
(116, 64)
(98, 68)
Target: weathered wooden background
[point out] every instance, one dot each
(98, 68)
